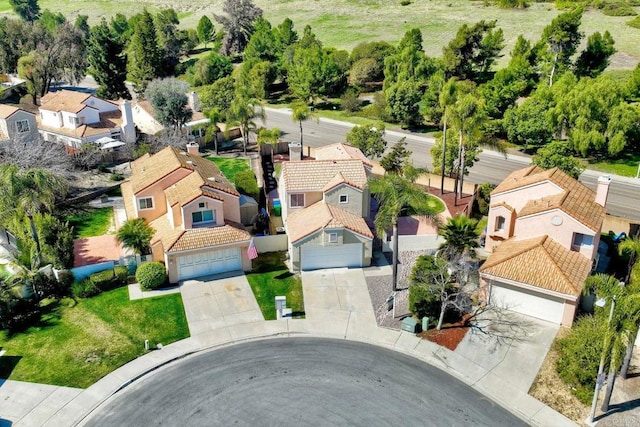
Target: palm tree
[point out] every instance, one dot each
(29, 192)
(215, 116)
(301, 112)
(630, 246)
(395, 194)
(136, 235)
(242, 112)
(460, 237)
(447, 99)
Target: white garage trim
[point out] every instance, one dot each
(527, 302)
(313, 257)
(210, 262)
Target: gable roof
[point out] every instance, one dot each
(540, 262)
(575, 199)
(64, 100)
(340, 151)
(314, 175)
(304, 222)
(7, 111)
(149, 169)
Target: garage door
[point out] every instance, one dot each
(527, 302)
(315, 257)
(205, 263)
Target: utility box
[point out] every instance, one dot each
(277, 207)
(409, 324)
(425, 323)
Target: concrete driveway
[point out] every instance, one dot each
(215, 302)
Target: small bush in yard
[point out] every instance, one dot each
(151, 275)
(122, 274)
(102, 279)
(84, 289)
(579, 356)
(246, 183)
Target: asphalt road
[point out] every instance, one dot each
(624, 193)
(301, 381)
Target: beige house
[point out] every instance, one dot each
(542, 233)
(194, 210)
(16, 123)
(324, 206)
(75, 118)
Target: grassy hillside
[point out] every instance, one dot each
(345, 23)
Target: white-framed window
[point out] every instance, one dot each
(145, 203)
(22, 126)
(297, 200)
(500, 222)
(580, 240)
(203, 217)
(343, 198)
(333, 237)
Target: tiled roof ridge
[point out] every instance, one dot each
(545, 246)
(533, 242)
(335, 211)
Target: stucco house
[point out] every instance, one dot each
(75, 118)
(341, 151)
(194, 210)
(324, 206)
(16, 123)
(542, 234)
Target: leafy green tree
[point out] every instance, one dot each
(623, 129)
(262, 44)
(397, 159)
(136, 234)
(395, 194)
(461, 237)
(219, 95)
(285, 35)
(529, 125)
(558, 154)
(28, 10)
(57, 239)
(446, 100)
(473, 51)
(120, 26)
(368, 139)
(558, 43)
(409, 62)
(633, 84)
(507, 85)
(429, 279)
(144, 54)
(50, 20)
(82, 24)
(169, 100)
(206, 31)
(172, 42)
(594, 59)
(259, 78)
(209, 69)
(237, 24)
(403, 102)
(371, 56)
(105, 54)
(30, 192)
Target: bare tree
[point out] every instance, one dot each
(167, 138)
(34, 152)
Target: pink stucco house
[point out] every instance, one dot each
(194, 210)
(542, 235)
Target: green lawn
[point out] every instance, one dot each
(625, 166)
(76, 344)
(345, 23)
(270, 278)
(92, 222)
(230, 166)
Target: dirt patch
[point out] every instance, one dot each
(552, 391)
(449, 336)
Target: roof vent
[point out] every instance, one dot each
(189, 163)
(212, 178)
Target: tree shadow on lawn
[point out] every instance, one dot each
(7, 365)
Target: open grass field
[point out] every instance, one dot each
(345, 23)
(77, 343)
(90, 223)
(270, 278)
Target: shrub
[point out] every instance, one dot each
(579, 355)
(481, 203)
(618, 9)
(102, 279)
(635, 22)
(349, 101)
(405, 2)
(246, 183)
(84, 289)
(116, 177)
(151, 275)
(16, 314)
(103, 168)
(121, 274)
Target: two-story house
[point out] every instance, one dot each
(542, 234)
(324, 206)
(75, 118)
(194, 210)
(16, 123)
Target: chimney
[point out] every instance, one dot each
(128, 127)
(602, 189)
(194, 102)
(295, 151)
(193, 149)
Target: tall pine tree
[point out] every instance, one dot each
(105, 53)
(144, 54)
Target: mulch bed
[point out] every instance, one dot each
(448, 198)
(450, 335)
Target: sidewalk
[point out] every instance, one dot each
(337, 306)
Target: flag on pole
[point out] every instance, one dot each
(252, 252)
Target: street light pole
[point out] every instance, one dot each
(600, 377)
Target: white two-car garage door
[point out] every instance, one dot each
(315, 257)
(527, 302)
(205, 263)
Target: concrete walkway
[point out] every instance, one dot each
(222, 311)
